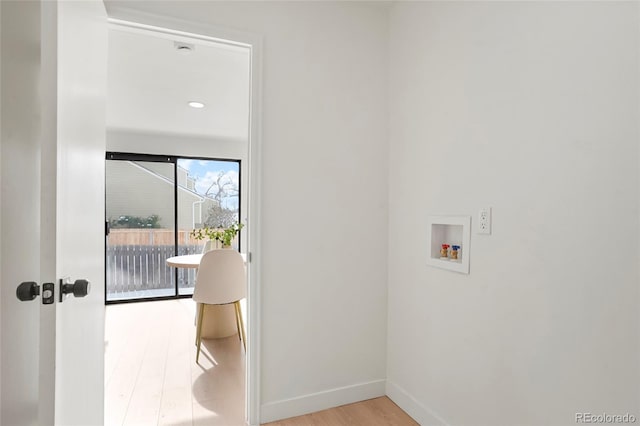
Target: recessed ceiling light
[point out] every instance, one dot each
(194, 104)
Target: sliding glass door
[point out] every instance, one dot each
(208, 196)
(152, 205)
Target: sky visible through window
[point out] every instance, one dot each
(215, 178)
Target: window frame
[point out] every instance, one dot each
(172, 159)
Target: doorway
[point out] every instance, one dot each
(161, 111)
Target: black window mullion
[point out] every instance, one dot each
(175, 219)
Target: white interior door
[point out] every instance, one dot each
(81, 132)
(52, 207)
(20, 211)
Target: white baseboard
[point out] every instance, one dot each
(330, 398)
(421, 414)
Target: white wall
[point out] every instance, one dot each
(324, 194)
(532, 109)
(174, 144)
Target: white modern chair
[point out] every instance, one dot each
(220, 281)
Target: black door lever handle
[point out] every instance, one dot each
(79, 288)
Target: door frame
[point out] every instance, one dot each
(254, 43)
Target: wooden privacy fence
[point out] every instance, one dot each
(133, 267)
(152, 237)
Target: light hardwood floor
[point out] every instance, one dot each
(151, 377)
(373, 412)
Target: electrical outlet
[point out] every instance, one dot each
(484, 221)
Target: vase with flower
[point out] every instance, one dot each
(220, 237)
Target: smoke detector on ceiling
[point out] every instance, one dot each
(183, 48)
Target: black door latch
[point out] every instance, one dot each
(29, 290)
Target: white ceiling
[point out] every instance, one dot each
(150, 84)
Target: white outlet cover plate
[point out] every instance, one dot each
(484, 221)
